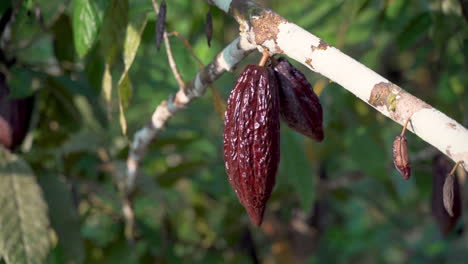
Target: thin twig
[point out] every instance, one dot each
(226, 60)
(127, 207)
(404, 127)
(188, 46)
(155, 6)
(170, 57)
(455, 167)
(172, 63)
(217, 103)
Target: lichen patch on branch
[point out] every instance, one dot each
(384, 94)
(265, 27)
(308, 61)
(321, 46)
(260, 24)
(399, 104)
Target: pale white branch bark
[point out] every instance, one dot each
(226, 60)
(268, 30)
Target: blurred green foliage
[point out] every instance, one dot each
(185, 210)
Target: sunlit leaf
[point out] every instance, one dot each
(87, 20)
(133, 39)
(107, 85)
(24, 223)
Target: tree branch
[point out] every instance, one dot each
(226, 60)
(267, 30)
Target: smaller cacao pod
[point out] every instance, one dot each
(15, 115)
(300, 107)
(445, 221)
(251, 138)
(401, 157)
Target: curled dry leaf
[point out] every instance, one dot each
(300, 107)
(251, 138)
(161, 24)
(15, 115)
(440, 171)
(401, 157)
(448, 193)
(209, 27)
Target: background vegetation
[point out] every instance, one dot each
(340, 201)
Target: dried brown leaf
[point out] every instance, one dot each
(448, 194)
(209, 27)
(161, 24)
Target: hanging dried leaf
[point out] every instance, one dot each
(440, 170)
(401, 156)
(209, 27)
(161, 24)
(448, 194)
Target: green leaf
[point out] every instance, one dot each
(107, 86)
(63, 32)
(125, 93)
(172, 175)
(21, 84)
(87, 20)
(132, 42)
(114, 25)
(133, 39)
(24, 223)
(296, 167)
(64, 217)
(413, 31)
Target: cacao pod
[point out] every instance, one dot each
(440, 171)
(15, 115)
(251, 138)
(401, 157)
(300, 107)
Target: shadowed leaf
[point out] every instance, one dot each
(64, 217)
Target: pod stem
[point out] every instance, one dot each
(404, 127)
(264, 58)
(455, 167)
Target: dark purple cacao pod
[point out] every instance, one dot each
(251, 138)
(440, 171)
(300, 107)
(401, 157)
(15, 115)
